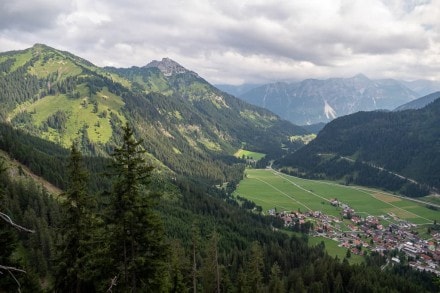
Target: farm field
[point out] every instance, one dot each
(271, 189)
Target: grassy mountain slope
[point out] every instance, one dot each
(354, 146)
(17, 169)
(188, 126)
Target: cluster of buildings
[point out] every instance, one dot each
(360, 234)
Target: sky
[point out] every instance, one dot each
(236, 42)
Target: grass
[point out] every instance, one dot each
(334, 250)
(303, 138)
(209, 144)
(63, 67)
(260, 120)
(433, 199)
(271, 189)
(80, 114)
(252, 155)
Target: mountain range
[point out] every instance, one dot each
(188, 126)
(419, 103)
(312, 101)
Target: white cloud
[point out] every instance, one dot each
(238, 41)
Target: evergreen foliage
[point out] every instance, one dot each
(242, 261)
(136, 234)
(75, 229)
(190, 126)
(353, 147)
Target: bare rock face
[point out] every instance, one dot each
(312, 101)
(168, 67)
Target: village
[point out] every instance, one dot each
(361, 234)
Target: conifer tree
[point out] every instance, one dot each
(74, 232)
(276, 283)
(136, 232)
(254, 268)
(179, 267)
(195, 241)
(211, 268)
(241, 281)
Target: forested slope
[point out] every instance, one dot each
(198, 224)
(354, 146)
(189, 127)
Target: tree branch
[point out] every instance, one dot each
(113, 282)
(7, 219)
(2, 267)
(10, 269)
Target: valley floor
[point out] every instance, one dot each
(359, 219)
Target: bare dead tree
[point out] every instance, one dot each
(113, 282)
(8, 220)
(10, 269)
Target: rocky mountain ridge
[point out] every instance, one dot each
(168, 67)
(312, 101)
(419, 103)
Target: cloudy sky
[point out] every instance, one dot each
(234, 42)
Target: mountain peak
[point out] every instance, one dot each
(167, 66)
(361, 76)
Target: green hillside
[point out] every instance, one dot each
(398, 151)
(187, 125)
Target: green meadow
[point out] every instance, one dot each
(248, 154)
(81, 112)
(271, 189)
(333, 249)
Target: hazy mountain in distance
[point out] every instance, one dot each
(236, 90)
(422, 87)
(420, 102)
(312, 101)
(314, 128)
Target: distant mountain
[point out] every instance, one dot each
(314, 128)
(376, 149)
(189, 127)
(313, 101)
(420, 102)
(236, 90)
(422, 87)
(169, 67)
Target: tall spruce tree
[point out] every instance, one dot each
(72, 251)
(254, 268)
(276, 283)
(211, 267)
(137, 236)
